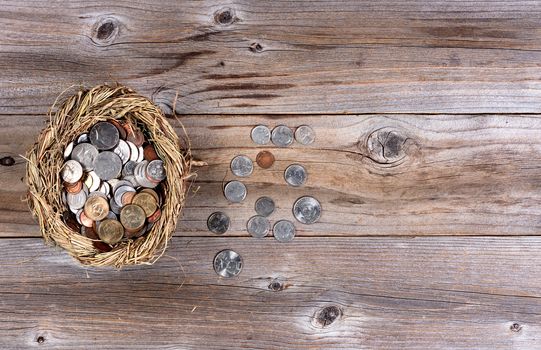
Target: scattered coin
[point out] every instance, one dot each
(258, 226)
(305, 135)
(134, 135)
(307, 210)
(110, 231)
(72, 171)
(235, 191)
(295, 175)
(108, 165)
(104, 136)
(284, 231)
(261, 134)
(85, 153)
(264, 206)
(265, 159)
(242, 166)
(154, 217)
(218, 223)
(228, 263)
(96, 207)
(282, 136)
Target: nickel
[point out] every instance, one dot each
(228, 263)
(261, 134)
(218, 223)
(258, 226)
(305, 135)
(235, 191)
(295, 175)
(307, 210)
(282, 136)
(284, 231)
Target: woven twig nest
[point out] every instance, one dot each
(45, 159)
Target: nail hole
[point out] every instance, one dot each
(225, 16)
(7, 161)
(40, 340)
(276, 286)
(222, 63)
(256, 47)
(327, 316)
(515, 327)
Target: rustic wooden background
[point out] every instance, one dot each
(426, 163)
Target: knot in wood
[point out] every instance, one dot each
(327, 316)
(7, 161)
(225, 16)
(276, 286)
(105, 31)
(515, 327)
(256, 47)
(386, 145)
(40, 339)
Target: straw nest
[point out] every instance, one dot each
(45, 159)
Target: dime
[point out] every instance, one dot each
(227, 263)
(265, 159)
(96, 182)
(134, 151)
(96, 207)
(132, 217)
(123, 151)
(235, 191)
(150, 153)
(242, 166)
(264, 206)
(147, 202)
(104, 136)
(108, 165)
(218, 223)
(305, 135)
(261, 134)
(155, 171)
(284, 231)
(282, 136)
(140, 154)
(68, 150)
(110, 231)
(307, 210)
(295, 175)
(258, 226)
(111, 215)
(85, 153)
(128, 168)
(72, 171)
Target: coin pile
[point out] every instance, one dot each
(111, 177)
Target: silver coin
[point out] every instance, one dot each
(235, 191)
(114, 207)
(71, 171)
(128, 168)
(305, 135)
(282, 136)
(132, 180)
(105, 188)
(83, 138)
(242, 166)
(140, 154)
(218, 223)
(112, 183)
(120, 192)
(284, 231)
(97, 194)
(264, 206)
(104, 136)
(258, 226)
(261, 134)
(107, 165)
(68, 150)
(307, 210)
(140, 177)
(119, 183)
(78, 216)
(96, 182)
(155, 170)
(77, 200)
(111, 216)
(134, 151)
(123, 151)
(228, 263)
(295, 175)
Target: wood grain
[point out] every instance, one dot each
(280, 56)
(374, 174)
(431, 292)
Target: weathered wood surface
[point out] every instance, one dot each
(386, 293)
(374, 174)
(278, 56)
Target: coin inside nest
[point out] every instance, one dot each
(113, 183)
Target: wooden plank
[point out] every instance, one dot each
(431, 292)
(278, 57)
(434, 174)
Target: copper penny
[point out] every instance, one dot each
(127, 198)
(132, 217)
(150, 153)
(110, 231)
(265, 159)
(147, 202)
(90, 232)
(121, 130)
(134, 135)
(85, 220)
(102, 246)
(156, 216)
(73, 188)
(96, 208)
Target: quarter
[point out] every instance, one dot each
(228, 263)
(242, 166)
(108, 165)
(284, 231)
(258, 226)
(307, 210)
(104, 136)
(282, 136)
(155, 171)
(235, 191)
(218, 223)
(85, 153)
(295, 175)
(71, 171)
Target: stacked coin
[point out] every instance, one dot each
(111, 177)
